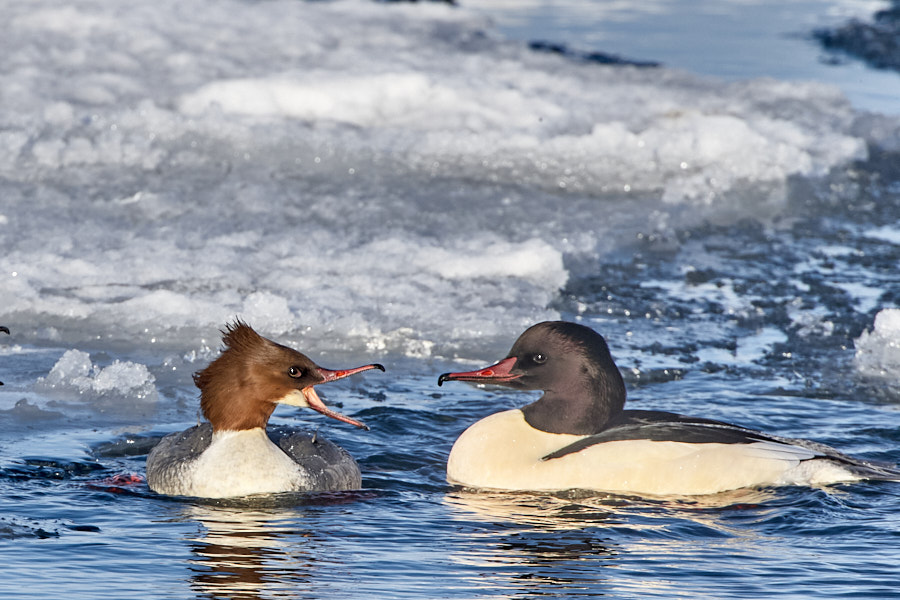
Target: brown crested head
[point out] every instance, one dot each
(240, 389)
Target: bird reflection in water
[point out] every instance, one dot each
(533, 543)
(564, 543)
(247, 554)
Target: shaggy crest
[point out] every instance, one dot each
(248, 374)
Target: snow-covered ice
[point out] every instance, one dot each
(323, 169)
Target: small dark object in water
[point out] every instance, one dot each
(601, 58)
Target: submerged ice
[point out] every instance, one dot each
(361, 175)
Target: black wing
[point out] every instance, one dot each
(661, 426)
(671, 427)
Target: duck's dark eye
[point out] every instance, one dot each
(539, 358)
(295, 372)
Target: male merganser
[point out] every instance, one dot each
(232, 454)
(578, 435)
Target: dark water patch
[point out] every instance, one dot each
(43, 468)
(876, 42)
(12, 528)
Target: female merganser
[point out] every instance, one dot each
(233, 455)
(578, 435)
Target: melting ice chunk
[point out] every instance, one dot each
(74, 371)
(878, 351)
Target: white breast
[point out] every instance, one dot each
(504, 452)
(238, 463)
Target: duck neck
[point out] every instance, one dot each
(577, 410)
(240, 412)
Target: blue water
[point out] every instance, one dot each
(727, 40)
(749, 313)
(407, 535)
